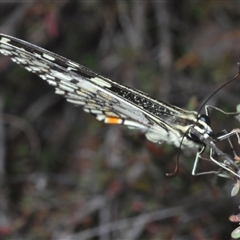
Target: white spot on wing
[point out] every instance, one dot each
(82, 93)
(22, 49)
(37, 55)
(6, 46)
(59, 91)
(73, 64)
(75, 96)
(71, 68)
(108, 113)
(4, 40)
(134, 124)
(100, 82)
(20, 60)
(39, 64)
(66, 88)
(68, 84)
(86, 110)
(100, 117)
(5, 52)
(52, 83)
(76, 102)
(36, 68)
(42, 76)
(95, 111)
(61, 75)
(48, 57)
(49, 76)
(28, 68)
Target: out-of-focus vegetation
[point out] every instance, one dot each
(64, 174)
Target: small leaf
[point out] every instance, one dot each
(235, 189)
(234, 218)
(238, 110)
(236, 233)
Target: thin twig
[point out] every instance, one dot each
(27, 129)
(127, 223)
(165, 47)
(4, 206)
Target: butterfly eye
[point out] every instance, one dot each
(205, 119)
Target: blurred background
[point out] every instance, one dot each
(65, 175)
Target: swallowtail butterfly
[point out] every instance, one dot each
(114, 103)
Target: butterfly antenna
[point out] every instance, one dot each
(225, 84)
(176, 170)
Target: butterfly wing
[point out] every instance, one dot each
(105, 99)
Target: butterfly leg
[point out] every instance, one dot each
(228, 164)
(207, 107)
(198, 156)
(224, 165)
(224, 135)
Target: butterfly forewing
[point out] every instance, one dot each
(105, 99)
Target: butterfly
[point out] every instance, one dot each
(114, 103)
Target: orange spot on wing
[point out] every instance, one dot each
(113, 120)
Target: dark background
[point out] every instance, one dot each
(63, 173)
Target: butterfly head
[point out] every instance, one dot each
(203, 127)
